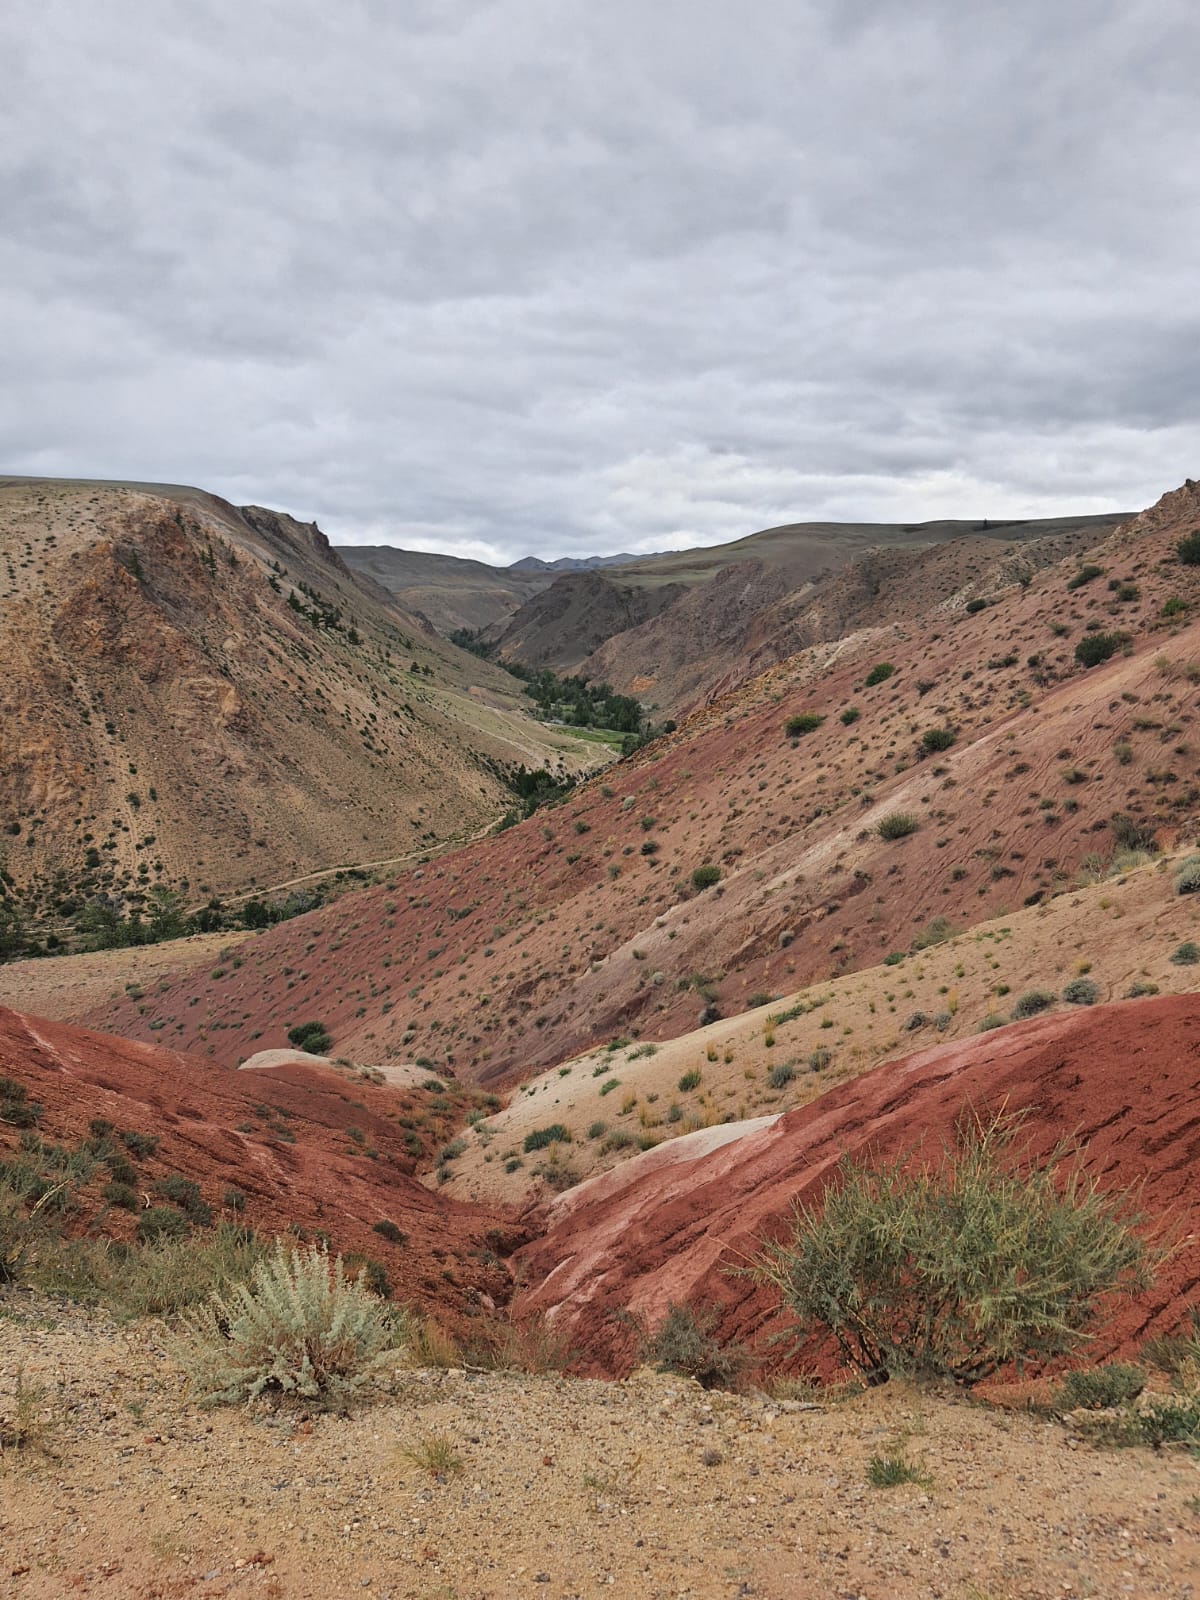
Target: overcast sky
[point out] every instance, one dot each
(571, 276)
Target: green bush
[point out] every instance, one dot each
(879, 673)
(300, 1328)
(1100, 1388)
(15, 1106)
(685, 1342)
(1188, 549)
(1086, 574)
(897, 825)
(184, 1193)
(388, 1230)
(1094, 648)
(704, 877)
(802, 722)
(957, 1267)
(1081, 992)
(160, 1223)
(312, 1037)
(1030, 1003)
(556, 1133)
(140, 1145)
(1172, 1420)
(938, 739)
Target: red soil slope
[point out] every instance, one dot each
(582, 923)
(1122, 1080)
(311, 1151)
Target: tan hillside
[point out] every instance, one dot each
(448, 591)
(525, 950)
(193, 695)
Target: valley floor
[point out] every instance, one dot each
(650, 1489)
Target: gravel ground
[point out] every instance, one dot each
(650, 1488)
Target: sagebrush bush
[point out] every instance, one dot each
(1100, 1388)
(956, 1267)
(300, 1328)
(685, 1342)
(897, 825)
(1031, 1002)
(1081, 992)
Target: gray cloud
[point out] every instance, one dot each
(545, 276)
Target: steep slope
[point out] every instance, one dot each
(583, 923)
(1121, 1082)
(750, 616)
(726, 603)
(204, 697)
(563, 624)
(306, 1148)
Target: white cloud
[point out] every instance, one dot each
(544, 276)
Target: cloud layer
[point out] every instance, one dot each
(552, 277)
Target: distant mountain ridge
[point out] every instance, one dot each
(574, 563)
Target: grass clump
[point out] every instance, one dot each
(897, 825)
(299, 1329)
(539, 1138)
(955, 1267)
(436, 1454)
(888, 1472)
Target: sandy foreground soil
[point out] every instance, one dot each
(648, 1488)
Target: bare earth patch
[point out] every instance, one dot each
(566, 1488)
